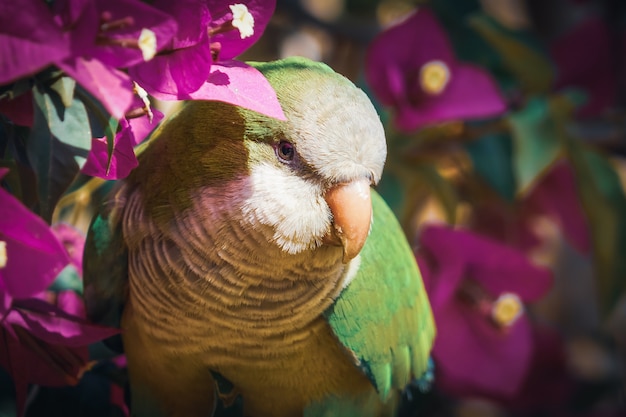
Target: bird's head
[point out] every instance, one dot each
(303, 183)
(314, 180)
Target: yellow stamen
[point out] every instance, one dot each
(434, 77)
(148, 44)
(3, 254)
(242, 20)
(507, 309)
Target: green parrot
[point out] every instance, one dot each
(247, 259)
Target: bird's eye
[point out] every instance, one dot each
(285, 151)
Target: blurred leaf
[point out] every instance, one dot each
(536, 143)
(492, 160)
(406, 188)
(393, 192)
(70, 125)
(58, 145)
(467, 43)
(100, 120)
(536, 136)
(68, 279)
(64, 87)
(441, 187)
(520, 52)
(604, 202)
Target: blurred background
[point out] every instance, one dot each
(506, 167)
(544, 176)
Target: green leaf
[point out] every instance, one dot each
(68, 279)
(64, 87)
(468, 44)
(604, 202)
(536, 144)
(57, 147)
(492, 160)
(407, 187)
(100, 121)
(537, 136)
(70, 125)
(520, 52)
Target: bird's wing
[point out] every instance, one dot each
(383, 316)
(105, 271)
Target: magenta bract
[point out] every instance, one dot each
(464, 274)
(411, 68)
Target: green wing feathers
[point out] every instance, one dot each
(105, 270)
(383, 317)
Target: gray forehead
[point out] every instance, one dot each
(336, 129)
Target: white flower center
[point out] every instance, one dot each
(3, 254)
(143, 95)
(434, 76)
(242, 20)
(507, 309)
(148, 44)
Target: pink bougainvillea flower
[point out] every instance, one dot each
(26, 237)
(122, 161)
(549, 383)
(133, 130)
(209, 31)
(199, 63)
(110, 34)
(584, 59)
(28, 31)
(411, 67)
(477, 288)
(554, 197)
(41, 343)
(73, 241)
(249, 24)
(183, 66)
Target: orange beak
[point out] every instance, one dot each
(351, 206)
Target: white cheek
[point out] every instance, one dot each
(291, 206)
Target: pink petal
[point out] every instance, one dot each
(111, 87)
(498, 268)
(81, 20)
(73, 241)
(473, 357)
(71, 303)
(388, 58)
(122, 161)
(392, 70)
(239, 84)
(40, 363)
(556, 197)
(231, 42)
(177, 73)
(584, 59)
(144, 16)
(548, 383)
(16, 361)
(441, 279)
(28, 31)
(55, 326)
(19, 110)
(27, 238)
(193, 18)
(470, 94)
(142, 126)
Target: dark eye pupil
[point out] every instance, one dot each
(286, 151)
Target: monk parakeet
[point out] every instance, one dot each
(251, 253)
